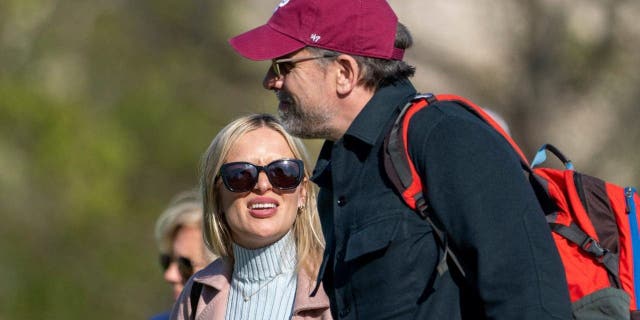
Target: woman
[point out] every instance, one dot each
(260, 218)
(178, 234)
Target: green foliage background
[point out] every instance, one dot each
(107, 106)
(105, 109)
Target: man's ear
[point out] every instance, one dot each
(348, 74)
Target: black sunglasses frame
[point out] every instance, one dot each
(185, 266)
(255, 175)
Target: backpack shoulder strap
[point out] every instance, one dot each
(397, 162)
(403, 174)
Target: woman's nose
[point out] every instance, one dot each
(263, 182)
(172, 275)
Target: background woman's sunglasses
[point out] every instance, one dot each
(185, 267)
(283, 174)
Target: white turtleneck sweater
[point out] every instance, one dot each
(263, 284)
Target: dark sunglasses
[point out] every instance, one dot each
(283, 174)
(185, 267)
(281, 67)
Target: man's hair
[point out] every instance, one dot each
(217, 233)
(378, 72)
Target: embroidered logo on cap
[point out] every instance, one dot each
(281, 4)
(314, 37)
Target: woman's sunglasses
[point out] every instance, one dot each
(283, 174)
(185, 267)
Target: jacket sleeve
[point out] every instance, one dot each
(479, 193)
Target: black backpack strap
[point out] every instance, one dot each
(196, 290)
(397, 163)
(403, 175)
(591, 246)
(448, 253)
(399, 169)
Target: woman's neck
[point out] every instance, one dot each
(266, 262)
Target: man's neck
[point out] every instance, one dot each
(347, 109)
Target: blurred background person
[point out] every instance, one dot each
(499, 119)
(178, 234)
(261, 218)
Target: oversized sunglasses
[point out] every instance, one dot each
(285, 174)
(281, 67)
(185, 266)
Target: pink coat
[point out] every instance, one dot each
(216, 278)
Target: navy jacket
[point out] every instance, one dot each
(381, 257)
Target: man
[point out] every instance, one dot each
(338, 74)
(178, 233)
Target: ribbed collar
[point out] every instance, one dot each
(267, 262)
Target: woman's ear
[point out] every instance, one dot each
(348, 74)
(302, 200)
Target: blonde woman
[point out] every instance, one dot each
(260, 217)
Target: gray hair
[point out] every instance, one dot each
(185, 209)
(378, 72)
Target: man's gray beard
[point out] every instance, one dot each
(305, 126)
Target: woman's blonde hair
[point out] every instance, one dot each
(217, 235)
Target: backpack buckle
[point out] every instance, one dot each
(430, 97)
(592, 246)
(422, 206)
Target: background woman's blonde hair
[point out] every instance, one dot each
(184, 209)
(217, 235)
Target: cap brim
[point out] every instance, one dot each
(264, 43)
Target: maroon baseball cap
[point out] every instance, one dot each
(359, 27)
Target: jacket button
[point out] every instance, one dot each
(342, 201)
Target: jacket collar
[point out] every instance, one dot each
(367, 125)
(218, 275)
(304, 301)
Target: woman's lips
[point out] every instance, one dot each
(262, 209)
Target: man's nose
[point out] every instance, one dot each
(271, 81)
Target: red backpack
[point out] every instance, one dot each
(594, 223)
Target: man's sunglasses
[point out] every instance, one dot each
(283, 174)
(281, 67)
(185, 267)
